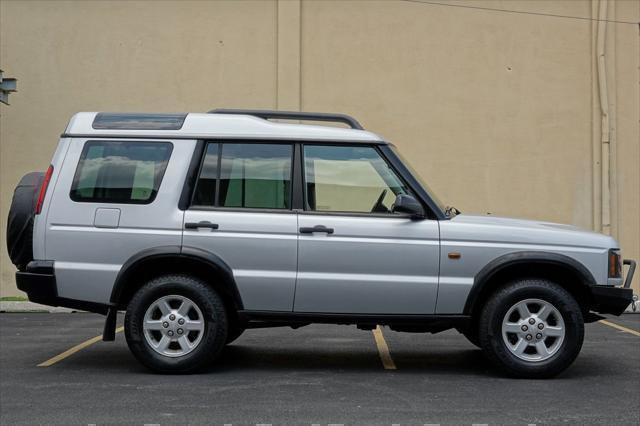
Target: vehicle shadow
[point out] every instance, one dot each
(238, 356)
(427, 362)
(258, 358)
(249, 357)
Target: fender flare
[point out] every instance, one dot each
(484, 276)
(206, 258)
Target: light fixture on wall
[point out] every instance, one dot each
(7, 85)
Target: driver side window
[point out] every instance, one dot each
(349, 179)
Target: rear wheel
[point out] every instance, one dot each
(176, 324)
(532, 328)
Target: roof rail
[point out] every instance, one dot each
(293, 115)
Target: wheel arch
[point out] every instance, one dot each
(149, 263)
(566, 271)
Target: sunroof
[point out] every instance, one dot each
(134, 121)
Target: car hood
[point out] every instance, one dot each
(510, 230)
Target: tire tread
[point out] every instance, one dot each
(491, 341)
(211, 303)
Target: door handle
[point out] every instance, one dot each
(203, 224)
(317, 228)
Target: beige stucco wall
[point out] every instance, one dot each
(497, 109)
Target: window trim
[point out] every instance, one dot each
(431, 208)
(83, 153)
(201, 155)
(188, 188)
(432, 211)
(241, 209)
(216, 207)
(308, 211)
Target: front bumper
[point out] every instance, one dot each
(613, 300)
(610, 300)
(38, 280)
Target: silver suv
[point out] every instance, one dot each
(203, 225)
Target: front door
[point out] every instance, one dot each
(241, 212)
(354, 255)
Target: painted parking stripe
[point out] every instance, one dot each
(74, 349)
(620, 327)
(383, 349)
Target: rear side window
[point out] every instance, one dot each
(120, 172)
(245, 175)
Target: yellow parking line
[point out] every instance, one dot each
(619, 327)
(73, 350)
(383, 349)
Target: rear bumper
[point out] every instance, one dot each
(38, 280)
(614, 300)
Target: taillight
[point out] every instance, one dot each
(615, 264)
(43, 189)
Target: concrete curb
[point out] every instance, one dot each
(32, 307)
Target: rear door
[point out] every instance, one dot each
(355, 256)
(113, 199)
(242, 212)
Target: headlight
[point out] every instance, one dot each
(615, 264)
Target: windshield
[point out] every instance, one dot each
(417, 176)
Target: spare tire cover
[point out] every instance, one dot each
(20, 222)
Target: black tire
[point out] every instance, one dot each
(20, 220)
(499, 304)
(206, 299)
(235, 331)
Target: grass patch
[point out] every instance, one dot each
(13, 299)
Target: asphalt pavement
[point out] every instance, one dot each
(316, 375)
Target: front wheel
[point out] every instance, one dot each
(532, 328)
(176, 324)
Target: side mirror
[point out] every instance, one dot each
(407, 204)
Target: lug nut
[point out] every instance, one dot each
(541, 326)
(165, 324)
(529, 337)
(170, 333)
(539, 336)
(180, 331)
(532, 321)
(172, 317)
(181, 321)
(525, 328)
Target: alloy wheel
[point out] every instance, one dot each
(533, 330)
(173, 325)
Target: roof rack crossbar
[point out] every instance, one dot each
(293, 115)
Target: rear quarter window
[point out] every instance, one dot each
(120, 172)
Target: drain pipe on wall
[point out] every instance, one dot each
(604, 111)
